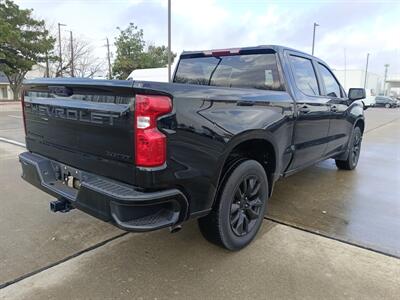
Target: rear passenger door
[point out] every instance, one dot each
(340, 126)
(312, 123)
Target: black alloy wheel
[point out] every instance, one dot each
(246, 206)
(354, 151)
(239, 209)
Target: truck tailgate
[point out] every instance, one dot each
(86, 124)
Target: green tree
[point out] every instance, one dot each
(156, 57)
(131, 53)
(130, 47)
(24, 42)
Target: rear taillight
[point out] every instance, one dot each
(150, 143)
(23, 108)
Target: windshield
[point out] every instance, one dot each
(258, 71)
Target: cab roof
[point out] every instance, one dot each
(272, 48)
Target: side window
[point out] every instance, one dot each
(331, 85)
(304, 75)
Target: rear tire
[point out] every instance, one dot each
(352, 160)
(387, 105)
(239, 210)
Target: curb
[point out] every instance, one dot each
(9, 102)
(12, 142)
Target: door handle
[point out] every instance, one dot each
(334, 108)
(304, 109)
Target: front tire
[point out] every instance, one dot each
(354, 154)
(387, 105)
(239, 210)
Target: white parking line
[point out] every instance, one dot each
(12, 142)
(12, 116)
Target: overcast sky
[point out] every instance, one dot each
(357, 26)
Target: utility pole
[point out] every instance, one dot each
(169, 41)
(59, 45)
(47, 65)
(313, 38)
(366, 72)
(108, 59)
(72, 54)
(384, 82)
(345, 68)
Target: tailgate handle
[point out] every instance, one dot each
(245, 103)
(62, 91)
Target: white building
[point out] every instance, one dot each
(392, 85)
(356, 79)
(38, 71)
(5, 90)
(6, 94)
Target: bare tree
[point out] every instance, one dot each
(85, 63)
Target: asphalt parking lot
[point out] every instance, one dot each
(342, 240)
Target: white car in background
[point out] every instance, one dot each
(370, 98)
(152, 74)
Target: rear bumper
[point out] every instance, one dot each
(124, 205)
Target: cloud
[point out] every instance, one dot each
(359, 26)
(377, 35)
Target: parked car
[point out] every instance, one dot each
(369, 100)
(383, 101)
(149, 74)
(210, 145)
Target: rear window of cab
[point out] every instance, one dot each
(259, 71)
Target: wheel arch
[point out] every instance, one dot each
(360, 122)
(247, 146)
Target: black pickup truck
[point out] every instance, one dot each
(210, 145)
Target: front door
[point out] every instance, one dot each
(340, 126)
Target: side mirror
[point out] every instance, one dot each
(356, 94)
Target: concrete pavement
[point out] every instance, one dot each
(11, 123)
(377, 117)
(360, 206)
(68, 254)
(31, 237)
(283, 263)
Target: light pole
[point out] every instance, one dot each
(109, 59)
(59, 45)
(72, 54)
(366, 72)
(47, 65)
(384, 81)
(345, 69)
(169, 41)
(313, 38)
